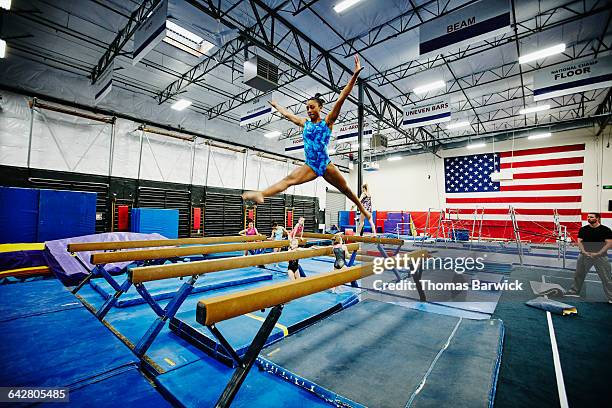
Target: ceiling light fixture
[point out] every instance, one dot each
(343, 5)
(534, 109)
(458, 125)
(476, 145)
(185, 40)
(5, 4)
(2, 48)
(181, 104)
(429, 87)
(539, 135)
(543, 53)
(394, 158)
(274, 133)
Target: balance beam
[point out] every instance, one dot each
(355, 238)
(103, 246)
(152, 273)
(216, 309)
(165, 253)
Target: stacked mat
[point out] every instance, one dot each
(395, 218)
(154, 220)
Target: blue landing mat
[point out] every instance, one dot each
(58, 349)
(165, 289)
(200, 384)
(33, 298)
(125, 387)
(240, 330)
(381, 355)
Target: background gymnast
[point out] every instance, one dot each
(316, 134)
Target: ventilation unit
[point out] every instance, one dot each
(379, 140)
(260, 74)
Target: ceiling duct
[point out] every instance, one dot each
(260, 74)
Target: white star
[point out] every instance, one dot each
(496, 187)
(480, 184)
(486, 188)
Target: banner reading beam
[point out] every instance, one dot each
(572, 77)
(476, 22)
(257, 110)
(427, 114)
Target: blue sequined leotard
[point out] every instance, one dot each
(316, 138)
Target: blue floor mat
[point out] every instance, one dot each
(32, 298)
(122, 388)
(58, 349)
(200, 384)
(165, 289)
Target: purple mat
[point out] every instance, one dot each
(70, 271)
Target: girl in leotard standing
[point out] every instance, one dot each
(340, 254)
(249, 230)
(366, 201)
(298, 229)
(316, 134)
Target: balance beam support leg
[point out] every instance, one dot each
(226, 346)
(385, 255)
(249, 359)
(351, 261)
(83, 283)
(145, 342)
(416, 277)
(110, 302)
(302, 273)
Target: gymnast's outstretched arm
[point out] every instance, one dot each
(333, 114)
(288, 115)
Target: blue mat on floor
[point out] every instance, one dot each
(165, 289)
(125, 387)
(201, 383)
(43, 296)
(58, 349)
(240, 330)
(381, 355)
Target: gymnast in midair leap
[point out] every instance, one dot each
(316, 134)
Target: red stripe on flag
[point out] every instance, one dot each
(548, 174)
(519, 211)
(552, 199)
(539, 187)
(548, 162)
(543, 150)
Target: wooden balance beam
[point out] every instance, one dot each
(166, 253)
(355, 238)
(214, 310)
(103, 246)
(152, 273)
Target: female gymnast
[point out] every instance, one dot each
(366, 201)
(249, 230)
(316, 134)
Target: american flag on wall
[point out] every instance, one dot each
(544, 179)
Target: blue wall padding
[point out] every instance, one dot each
(18, 214)
(64, 214)
(151, 220)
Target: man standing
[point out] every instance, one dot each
(594, 240)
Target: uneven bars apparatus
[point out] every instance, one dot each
(214, 310)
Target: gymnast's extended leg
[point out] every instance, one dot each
(334, 177)
(301, 175)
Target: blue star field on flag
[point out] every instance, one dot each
(471, 174)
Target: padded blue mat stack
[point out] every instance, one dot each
(150, 220)
(53, 341)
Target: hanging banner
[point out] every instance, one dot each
(476, 22)
(572, 77)
(295, 144)
(150, 33)
(348, 132)
(257, 110)
(104, 84)
(436, 111)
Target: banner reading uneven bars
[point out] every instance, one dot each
(436, 111)
(572, 77)
(475, 22)
(257, 110)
